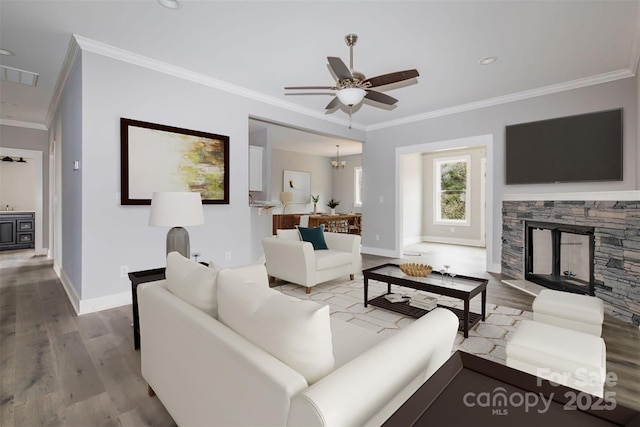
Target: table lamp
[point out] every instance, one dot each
(177, 210)
(285, 198)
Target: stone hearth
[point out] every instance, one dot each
(617, 245)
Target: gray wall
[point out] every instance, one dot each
(107, 235)
(382, 145)
(36, 140)
(68, 125)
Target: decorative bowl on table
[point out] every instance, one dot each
(416, 270)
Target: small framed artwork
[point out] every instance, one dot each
(299, 185)
(156, 157)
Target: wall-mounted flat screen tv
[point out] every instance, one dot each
(586, 147)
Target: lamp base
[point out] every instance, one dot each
(178, 241)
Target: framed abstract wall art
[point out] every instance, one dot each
(299, 185)
(156, 157)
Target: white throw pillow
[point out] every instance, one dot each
(193, 282)
(295, 331)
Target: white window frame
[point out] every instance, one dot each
(357, 186)
(437, 165)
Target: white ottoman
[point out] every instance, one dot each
(580, 312)
(564, 356)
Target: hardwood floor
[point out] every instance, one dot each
(59, 369)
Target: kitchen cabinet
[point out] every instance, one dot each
(17, 230)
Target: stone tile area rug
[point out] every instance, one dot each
(487, 339)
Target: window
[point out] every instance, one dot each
(357, 187)
(452, 190)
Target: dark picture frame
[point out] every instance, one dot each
(157, 157)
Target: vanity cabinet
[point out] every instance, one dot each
(17, 230)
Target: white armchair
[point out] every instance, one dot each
(291, 259)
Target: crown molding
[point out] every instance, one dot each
(518, 96)
(182, 73)
(20, 124)
(70, 59)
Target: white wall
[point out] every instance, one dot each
(463, 234)
(321, 178)
(18, 185)
(115, 235)
(26, 140)
(382, 144)
(343, 184)
(412, 198)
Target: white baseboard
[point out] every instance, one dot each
(43, 251)
(495, 267)
(380, 252)
(90, 305)
(411, 240)
(454, 241)
(68, 287)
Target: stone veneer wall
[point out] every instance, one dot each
(617, 245)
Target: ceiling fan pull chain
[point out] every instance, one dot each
(350, 111)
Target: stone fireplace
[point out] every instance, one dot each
(597, 244)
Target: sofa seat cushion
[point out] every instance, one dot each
(350, 341)
(295, 331)
(192, 282)
(332, 259)
(557, 352)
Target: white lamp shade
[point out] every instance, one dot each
(351, 96)
(176, 209)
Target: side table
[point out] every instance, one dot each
(138, 277)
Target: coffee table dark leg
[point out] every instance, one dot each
(366, 289)
(465, 327)
(484, 304)
(388, 288)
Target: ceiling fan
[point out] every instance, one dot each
(353, 86)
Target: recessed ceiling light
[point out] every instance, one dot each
(171, 4)
(488, 60)
(6, 52)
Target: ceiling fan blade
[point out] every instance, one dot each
(380, 97)
(398, 76)
(339, 68)
(334, 103)
(310, 87)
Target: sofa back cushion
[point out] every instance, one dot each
(192, 282)
(295, 331)
(288, 234)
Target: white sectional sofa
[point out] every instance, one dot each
(220, 348)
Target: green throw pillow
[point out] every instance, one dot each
(314, 235)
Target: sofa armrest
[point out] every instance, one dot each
(291, 260)
(203, 372)
(369, 388)
(343, 242)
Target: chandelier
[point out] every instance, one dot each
(337, 163)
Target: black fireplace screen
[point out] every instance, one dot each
(560, 256)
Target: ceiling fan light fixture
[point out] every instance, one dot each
(351, 96)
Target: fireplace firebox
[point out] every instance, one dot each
(560, 256)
